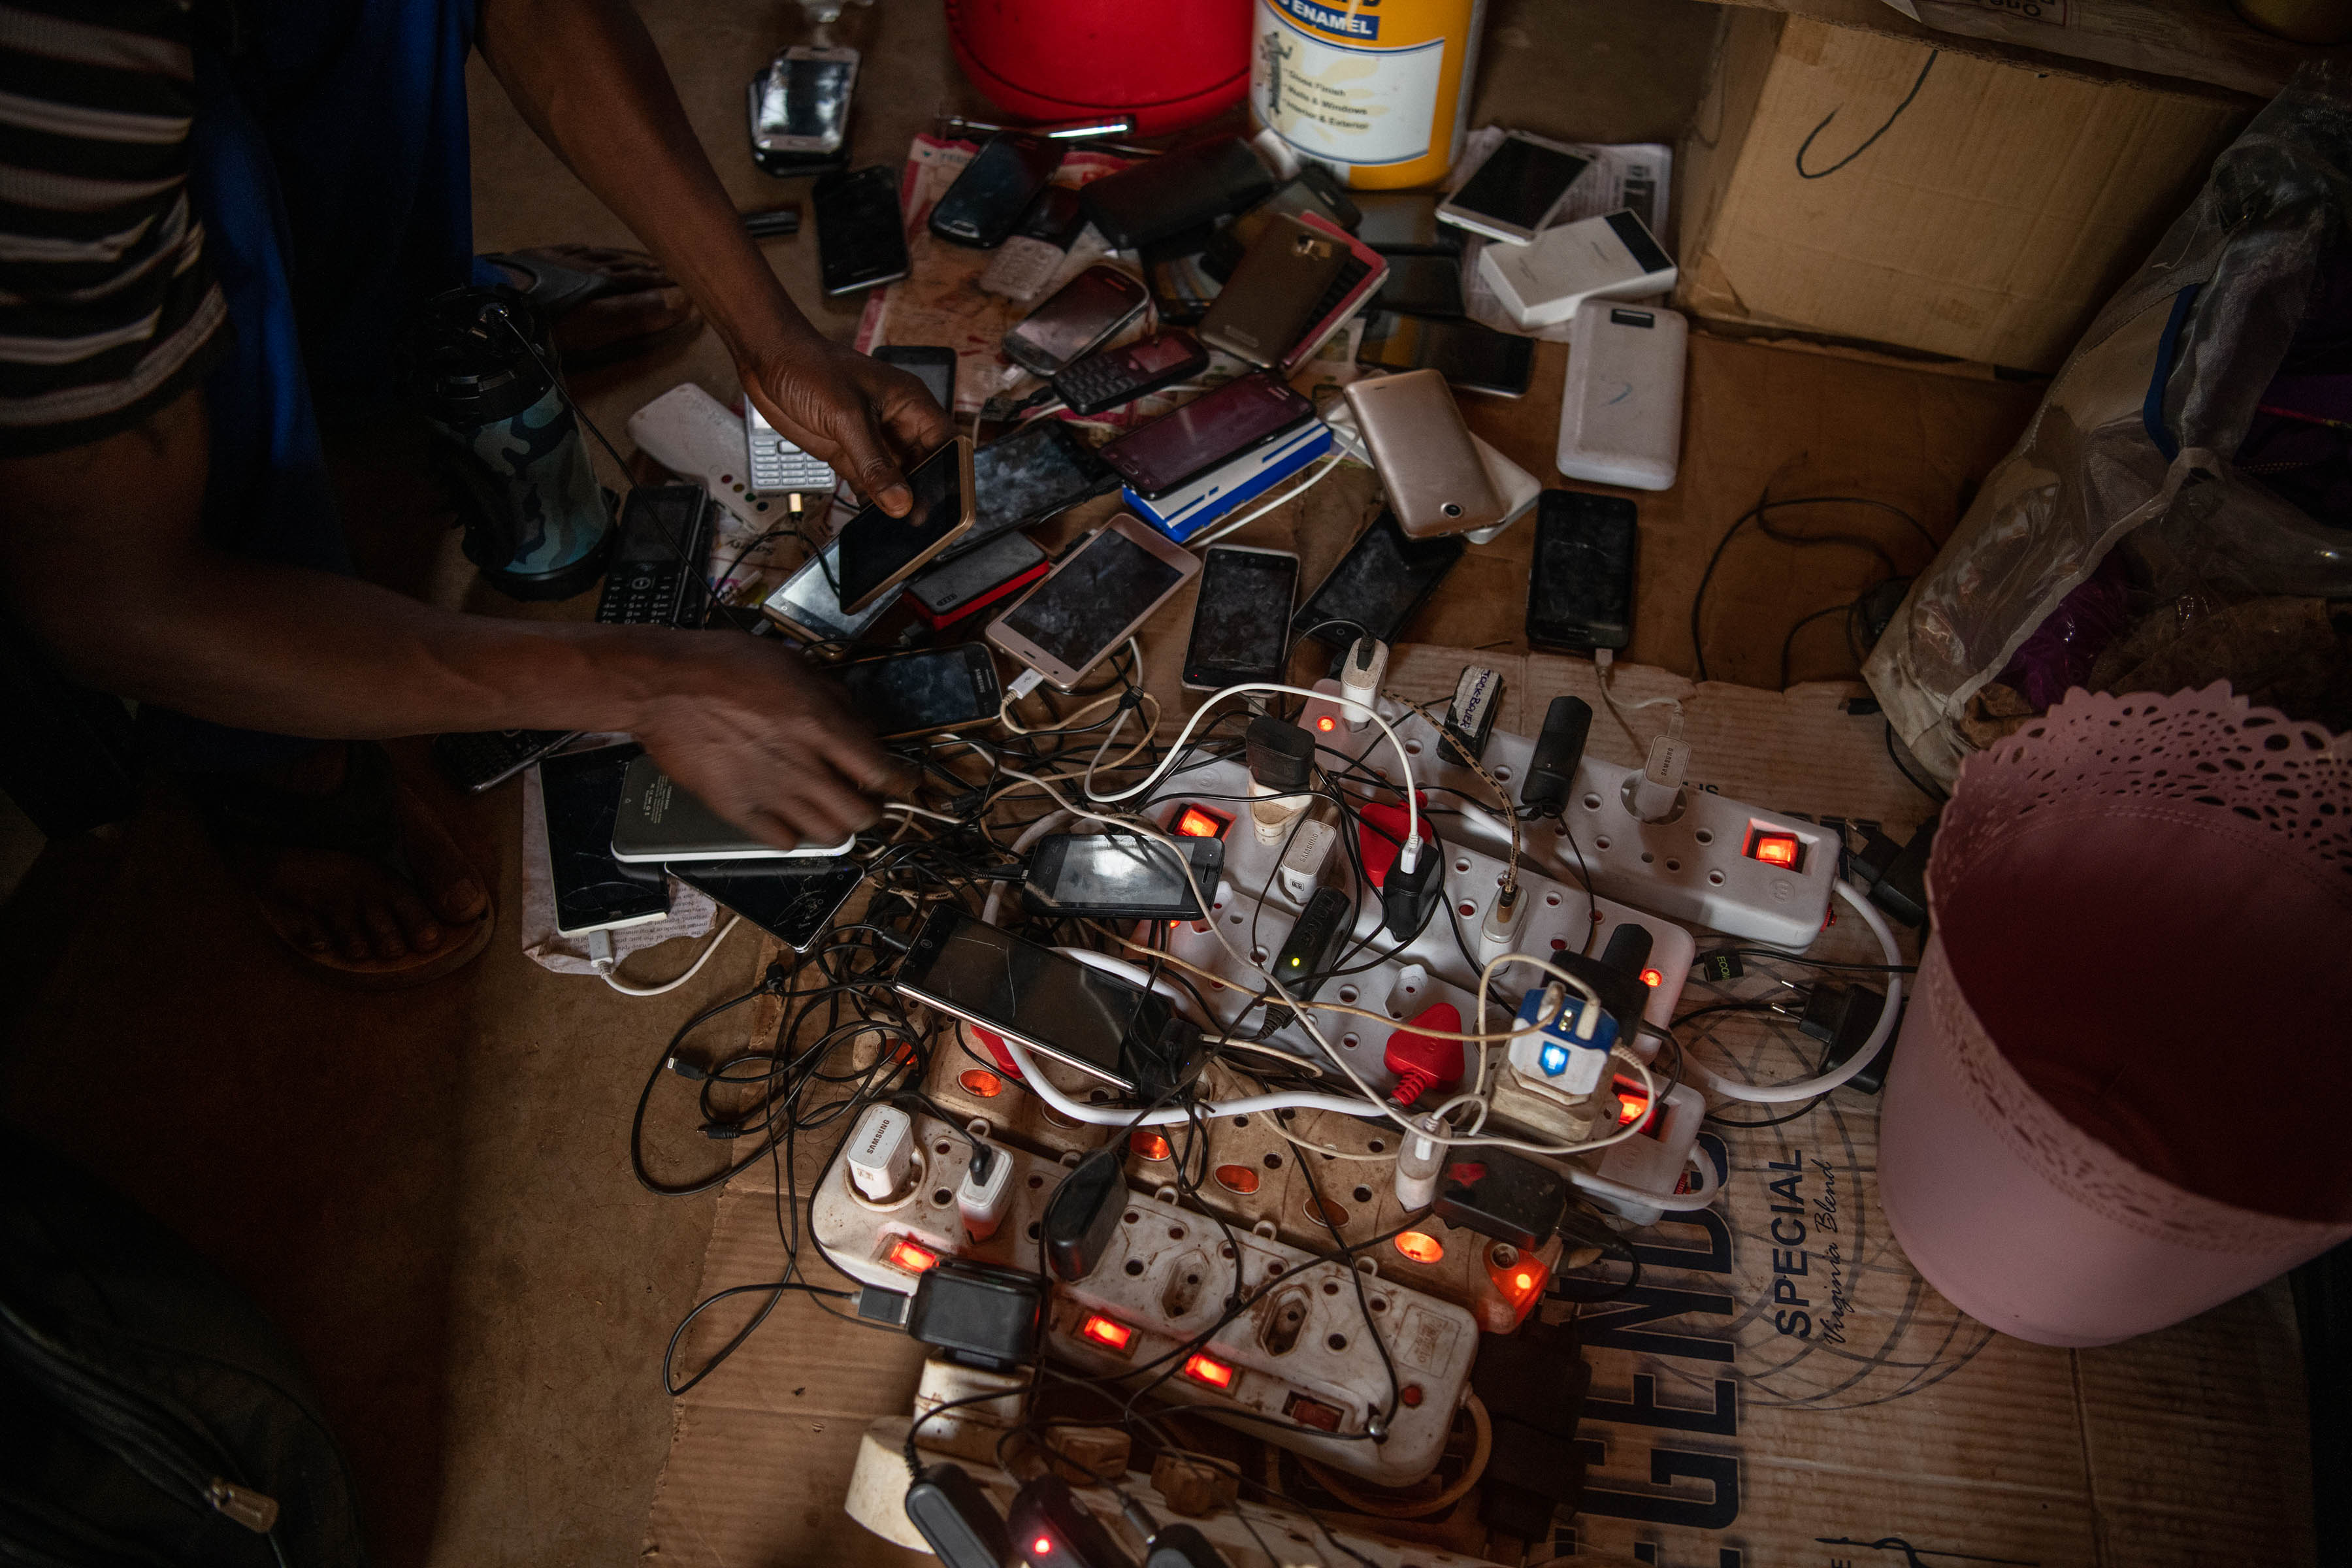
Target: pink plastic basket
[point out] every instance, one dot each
(2120, 1092)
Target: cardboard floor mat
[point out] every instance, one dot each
(1779, 1389)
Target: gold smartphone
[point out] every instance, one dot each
(1269, 301)
(1436, 480)
(1094, 600)
(876, 553)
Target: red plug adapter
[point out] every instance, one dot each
(1421, 1063)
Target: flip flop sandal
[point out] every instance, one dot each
(361, 818)
(556, 290)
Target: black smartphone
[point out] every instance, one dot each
(1090, 310)
(658, 560)
(922, 693)
(796, 906)
(988, 199)
(1157, 458)
(1378, 585)
(1580, 583)
(1191, 187)
(1176, 269)
(861, 236)
(934, 367)
(878, 551)
(1027, 477)
(1114, 377)
(1423, 286)
(1469, 356)
(580, 793)
(1240, 622)
(476, 760)
(1079, 1015)
(1120, 875)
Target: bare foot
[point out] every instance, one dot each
(335, 903)
(643, 304)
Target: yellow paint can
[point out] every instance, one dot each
(1376, 90)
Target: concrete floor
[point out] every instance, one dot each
(430, 1190)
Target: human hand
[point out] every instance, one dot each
(761, 738)
(864, 417)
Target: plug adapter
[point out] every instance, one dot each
(1309, 852)
(1360, 678)
(1052, 1529)
(1082, 1214)
(985, 1193)
(1409, 898)
(1502, 1195)
(977, 1314)
(1470, 717)
(881, 1151)
(953, 1513)
(1651, 793)
(1422, 1064)
(1551, 769)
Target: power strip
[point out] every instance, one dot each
(690, 431)
(1706, 865)
(1242, 1532)
(1301, 1360)
(1162, 1280)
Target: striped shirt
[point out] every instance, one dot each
(108, 310)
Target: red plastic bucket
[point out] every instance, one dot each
(1170, 65)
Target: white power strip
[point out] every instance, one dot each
(1163, 1280)
(690, 431)
(1702, 866)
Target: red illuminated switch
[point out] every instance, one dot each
(1785, 850)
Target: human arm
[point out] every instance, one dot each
(106, 564)
(586, 76)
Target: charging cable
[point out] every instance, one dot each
(1285, 498)
(601, 960)
(1805, 1088)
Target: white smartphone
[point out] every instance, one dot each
(1514, 191)
(1094, 600)
(801, 103)
(658, 821)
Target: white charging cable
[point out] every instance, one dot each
(1408, 857)
(600, 958)
(1805, 1088)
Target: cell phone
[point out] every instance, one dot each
(1090, 604)
(1379, 585)
(861, 236)
(1273, 294)
(1423, 286)
(934, 367)
(800, 102)
(1514, 191)
(796, 906)
(1084, 313)
(1430, 470)
(1580, 583)
(1240, 622)
(476, 760)
(808, 605)
(1469, 356)
(900, 695)
(1077, 1014)
(976, 579)
(1113, 377)
(1176, 269)
(990, 197)
(1402, 222)
(1025, 263)
(776, 462)
(878, 551)
(1312, 190)
(1120, 875)
(1213, 429)
(1188, 188)
(1039, 469)
(580, 795)
(658, 560)
(658, 820)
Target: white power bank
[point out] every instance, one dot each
(1621, 414)
(1608, 257)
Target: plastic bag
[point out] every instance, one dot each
(2133, 456)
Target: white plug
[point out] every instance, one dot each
(1027, 681)
(1501, 929)
(1417, 1165)
(983, 1196)
(1303, 862)
(881, 1151)
(1360, 677)
(1651, 793)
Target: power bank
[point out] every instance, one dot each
(1621, 413)
(1611, 256)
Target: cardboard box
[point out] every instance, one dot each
(1952, 196)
